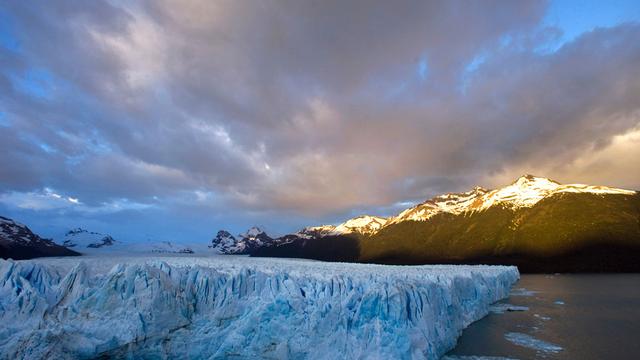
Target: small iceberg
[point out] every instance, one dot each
(530, 342)
(522, 292)
(542, 317)
(501, 308)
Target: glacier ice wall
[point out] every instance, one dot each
(239, 308)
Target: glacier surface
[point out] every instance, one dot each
(239, 307)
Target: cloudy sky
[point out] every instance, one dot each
(172, 119)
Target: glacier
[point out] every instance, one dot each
(221, 307)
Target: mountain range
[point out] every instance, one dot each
(18, 242)
(535, 223)
(250, 241)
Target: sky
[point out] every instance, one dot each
(170, 120)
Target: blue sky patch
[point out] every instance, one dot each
(37, 83)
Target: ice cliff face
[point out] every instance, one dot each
(239, 307)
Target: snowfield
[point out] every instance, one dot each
(238, 307)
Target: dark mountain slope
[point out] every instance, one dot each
(345, 248)
(563, 232)
(18, 242)
(566, 227)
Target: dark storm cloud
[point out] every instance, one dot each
(314, 106)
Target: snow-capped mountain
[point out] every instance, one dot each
(224, 242)
(17, 241)
(451, 203)
(364, 225)
(529, 190)
(82, 239)
(252, 239)
(255, 238)
(526, 191)
(534, 222)
(148, 246)
(255, 235)
(98, 244)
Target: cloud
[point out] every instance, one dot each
(49, 200)
(614, 163)
(46, 199)
(311, 108)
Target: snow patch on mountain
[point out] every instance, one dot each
(454, 203)
(222, 307)
(317, 231)
(362, 224)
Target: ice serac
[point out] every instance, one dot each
(240, 307)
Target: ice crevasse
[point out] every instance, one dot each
(214, 308)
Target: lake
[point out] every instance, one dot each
(562, 316)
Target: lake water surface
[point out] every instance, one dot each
(576, 316)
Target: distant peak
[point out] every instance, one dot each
(253, 232)
(363, 220)
(477, 190)
(528, 178)
(223, 233)
(11, 222)
(76, 231)
(368, 217)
